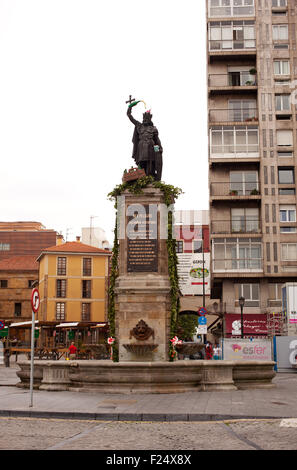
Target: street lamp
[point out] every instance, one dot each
(241, 303)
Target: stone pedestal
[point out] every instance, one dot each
(143, 287)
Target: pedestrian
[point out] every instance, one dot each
(72, 351)
(208, 350)
(217, 352)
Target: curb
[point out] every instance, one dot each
(153, 417)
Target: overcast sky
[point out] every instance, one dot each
(66, 69)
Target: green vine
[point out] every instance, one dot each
(170, 194)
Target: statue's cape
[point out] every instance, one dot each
(135, 140)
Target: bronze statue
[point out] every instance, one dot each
(147, 148)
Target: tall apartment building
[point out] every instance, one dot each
(252, 121)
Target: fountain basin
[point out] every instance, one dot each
(151, 377)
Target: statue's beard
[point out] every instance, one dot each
(147, 123)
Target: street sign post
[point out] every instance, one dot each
(35, 302)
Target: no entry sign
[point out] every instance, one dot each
(35, 300)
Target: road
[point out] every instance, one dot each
(62, 434)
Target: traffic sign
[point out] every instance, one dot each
(2, 325)
(202, 321)
(202, 311)
(35, 300)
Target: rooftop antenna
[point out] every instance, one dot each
(67, 232)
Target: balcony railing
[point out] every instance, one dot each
(233, 115)
(227, 188)
(232, 79)
(236, 225)
(232, 45)
(237, 265)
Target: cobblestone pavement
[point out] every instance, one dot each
(60, 434)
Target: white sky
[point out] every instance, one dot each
(66, 69)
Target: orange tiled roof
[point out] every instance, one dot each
(74, 247)
(19, 263)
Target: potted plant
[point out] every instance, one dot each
(254, 192)
(253, 71)
(233, 192)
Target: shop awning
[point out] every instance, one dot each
(67, 325)
(24, 323)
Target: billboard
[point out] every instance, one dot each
(246, 350)
(190, 273)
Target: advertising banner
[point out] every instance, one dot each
(190, 273)
(246, 350)
(253, 324)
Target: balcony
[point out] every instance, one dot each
(237, 265)
(238, 46)
(234, 82)
(236, 226)
(242, 191)
(249, 115)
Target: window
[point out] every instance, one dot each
(86, 289)
(17, 309)
(281, 67)
(3, 283)
(280, 32)
(287, 213)
(87, 266)
(197, 246)
(286, 175)
(4, 246)
(228, 35)
(279, 3)
(61, 288)
(289, 251)
(237, 254)
(30, 283)
(284, 138)
(244, 183)
(242, 110)
(231, 8)
(179, 246)
(250, 292)
(237, 141)
(275, 294)
(283, 102)
(245, 220)
(288, 230)
(61, 266)
(60, 311)
(86, 312)
(286, 191)
(285, 154)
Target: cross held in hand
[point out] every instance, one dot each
(130, 100)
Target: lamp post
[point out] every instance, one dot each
(241, 303)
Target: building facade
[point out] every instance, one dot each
(20, 244)
(252, 73)
(73, 282)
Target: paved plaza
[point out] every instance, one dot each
(277, 402)
(233, 420)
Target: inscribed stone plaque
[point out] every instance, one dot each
(142, 231)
